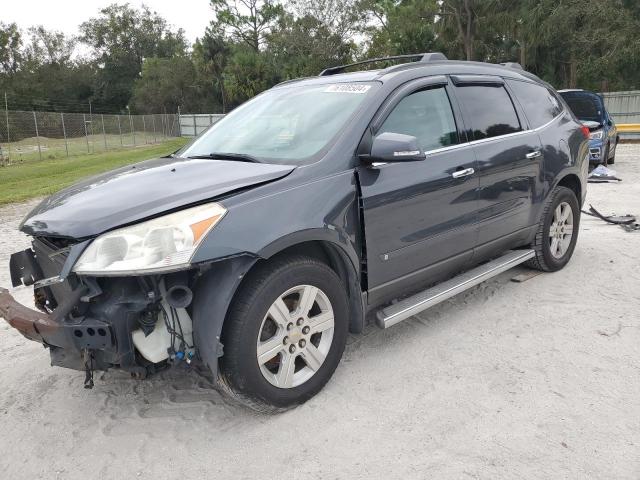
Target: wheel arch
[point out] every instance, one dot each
(339, 256)
(573, 183)
(225, 278)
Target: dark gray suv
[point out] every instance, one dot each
(317, 206)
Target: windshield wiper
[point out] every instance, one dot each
(238, 157)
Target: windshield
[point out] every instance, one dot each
(585, 107)
(284, 125)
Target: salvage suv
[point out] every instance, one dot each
(318, 206)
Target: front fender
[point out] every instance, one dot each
(259, 224)
(213, 294)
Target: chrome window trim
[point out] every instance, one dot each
(491, 139)
(485, 140)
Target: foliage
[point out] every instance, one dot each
(121, 38)
(136, 59)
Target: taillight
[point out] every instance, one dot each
(585, 131)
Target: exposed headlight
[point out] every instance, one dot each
(162, 244)
(597, 135)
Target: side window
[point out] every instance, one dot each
(555, 101)
(539, 105)
(426, 115)
(490, 111)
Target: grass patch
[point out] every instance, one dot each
(27, 180)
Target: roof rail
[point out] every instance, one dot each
(424, 57)
(515, 65)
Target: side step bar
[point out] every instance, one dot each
(408, 307)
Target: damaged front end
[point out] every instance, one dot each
(136, 323)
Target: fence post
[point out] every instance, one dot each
(86, 135)
(119, 130)
(133, 133)
(90, 118)
(179, 122)
(144, 129)
(6, 113)
(64, 134)
(104, 135)
(195, 126)
(35, 122)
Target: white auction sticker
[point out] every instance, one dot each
(348, 88)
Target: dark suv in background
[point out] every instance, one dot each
(317, 206)
(589, 108)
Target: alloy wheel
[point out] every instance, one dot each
(561, 230)
(295, 336)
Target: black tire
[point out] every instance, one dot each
(605, 155)
(612, 160)
(544, 260)
(240, 374)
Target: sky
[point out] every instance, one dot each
(192, 16)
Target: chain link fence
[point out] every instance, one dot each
(33, 136)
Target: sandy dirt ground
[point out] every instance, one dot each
(539, 379)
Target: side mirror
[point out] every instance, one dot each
(395, 147)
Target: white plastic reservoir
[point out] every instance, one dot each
(155, 346)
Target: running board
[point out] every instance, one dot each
(408, 307)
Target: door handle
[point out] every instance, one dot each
(534, 154)
(463, 173)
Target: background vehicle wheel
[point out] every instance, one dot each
(605, 155)
(284, 335)
(557, 233)
(612, 160)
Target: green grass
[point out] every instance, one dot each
(35, 179)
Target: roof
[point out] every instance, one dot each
(437, 67)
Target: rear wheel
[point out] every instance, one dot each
(557, 232)
(284, 335)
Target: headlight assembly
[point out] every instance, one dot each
(597, 135)
(162, 244)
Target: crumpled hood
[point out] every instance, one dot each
(135, 192)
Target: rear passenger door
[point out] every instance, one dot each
(510, 159)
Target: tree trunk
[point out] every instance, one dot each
(573, 71)
(468, 36)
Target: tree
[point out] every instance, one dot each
(10, 48)
(49, 47)
(248, 73)
(169, 83)
(121, 38)
(305, 46)
(211, 55)
(464, 16)
(399, 28)
(246, 21)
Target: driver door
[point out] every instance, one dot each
(419, 216)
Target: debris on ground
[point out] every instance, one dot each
(628, 222)
(602, 174)
(523, 277)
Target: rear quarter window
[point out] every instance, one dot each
(539, 105)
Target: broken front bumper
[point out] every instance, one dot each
(54, 329)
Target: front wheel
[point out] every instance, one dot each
(557, 233)
(284, 335)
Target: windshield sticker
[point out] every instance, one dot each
(347, 88)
